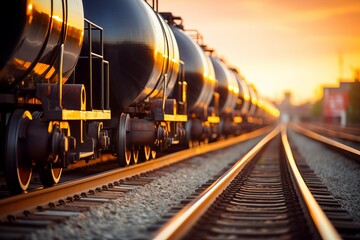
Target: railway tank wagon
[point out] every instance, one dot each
(244, 101)
(201, 82)
(229, 91)
(145, 69)
(39, 53)
(254, 107)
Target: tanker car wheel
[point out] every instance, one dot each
(49, 175)
(145, 153)
(122, 149)
(153, 154)
(135, 155)
(18, 169)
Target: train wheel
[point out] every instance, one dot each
(135, 155)
(49, 175)
(122, 149)
(147, 152)
(188, 141)
(153, 154)
(144, 154)
(194, 143)
(18, 169)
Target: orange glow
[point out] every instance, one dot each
(246, 97)
(39, 69)
(236, 90)
(208, 76)
(57, 18)
(29, 13)
(279, 45)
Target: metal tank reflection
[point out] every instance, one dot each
(200, 78)
(140, 47)
(35, 30)
(198, 73)
(228, 89)
(226, 86)
(244, 94)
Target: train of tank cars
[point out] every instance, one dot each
(82, 78)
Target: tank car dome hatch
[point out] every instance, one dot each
(227, 86)
(140, 48)
(34, 32)
(199, 73)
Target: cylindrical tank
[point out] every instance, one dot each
(199, 73)
(254, 101)
(244, 94)
(140, 48)
(32, 33)
(227, 86)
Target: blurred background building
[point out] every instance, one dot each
(339, 104)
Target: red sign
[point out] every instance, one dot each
(335, 102)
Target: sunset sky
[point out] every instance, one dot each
(279, 44)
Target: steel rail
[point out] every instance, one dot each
(354, 152)
(322, 223)
(334, 133)
(15, 204)
(183, 221)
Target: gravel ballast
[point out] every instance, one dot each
(340, 175)
(129, 216)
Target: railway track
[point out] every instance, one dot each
(338, 146)
(349, 129)
(265, 195)
(264, 205)
(346, 133)
(24, 213)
